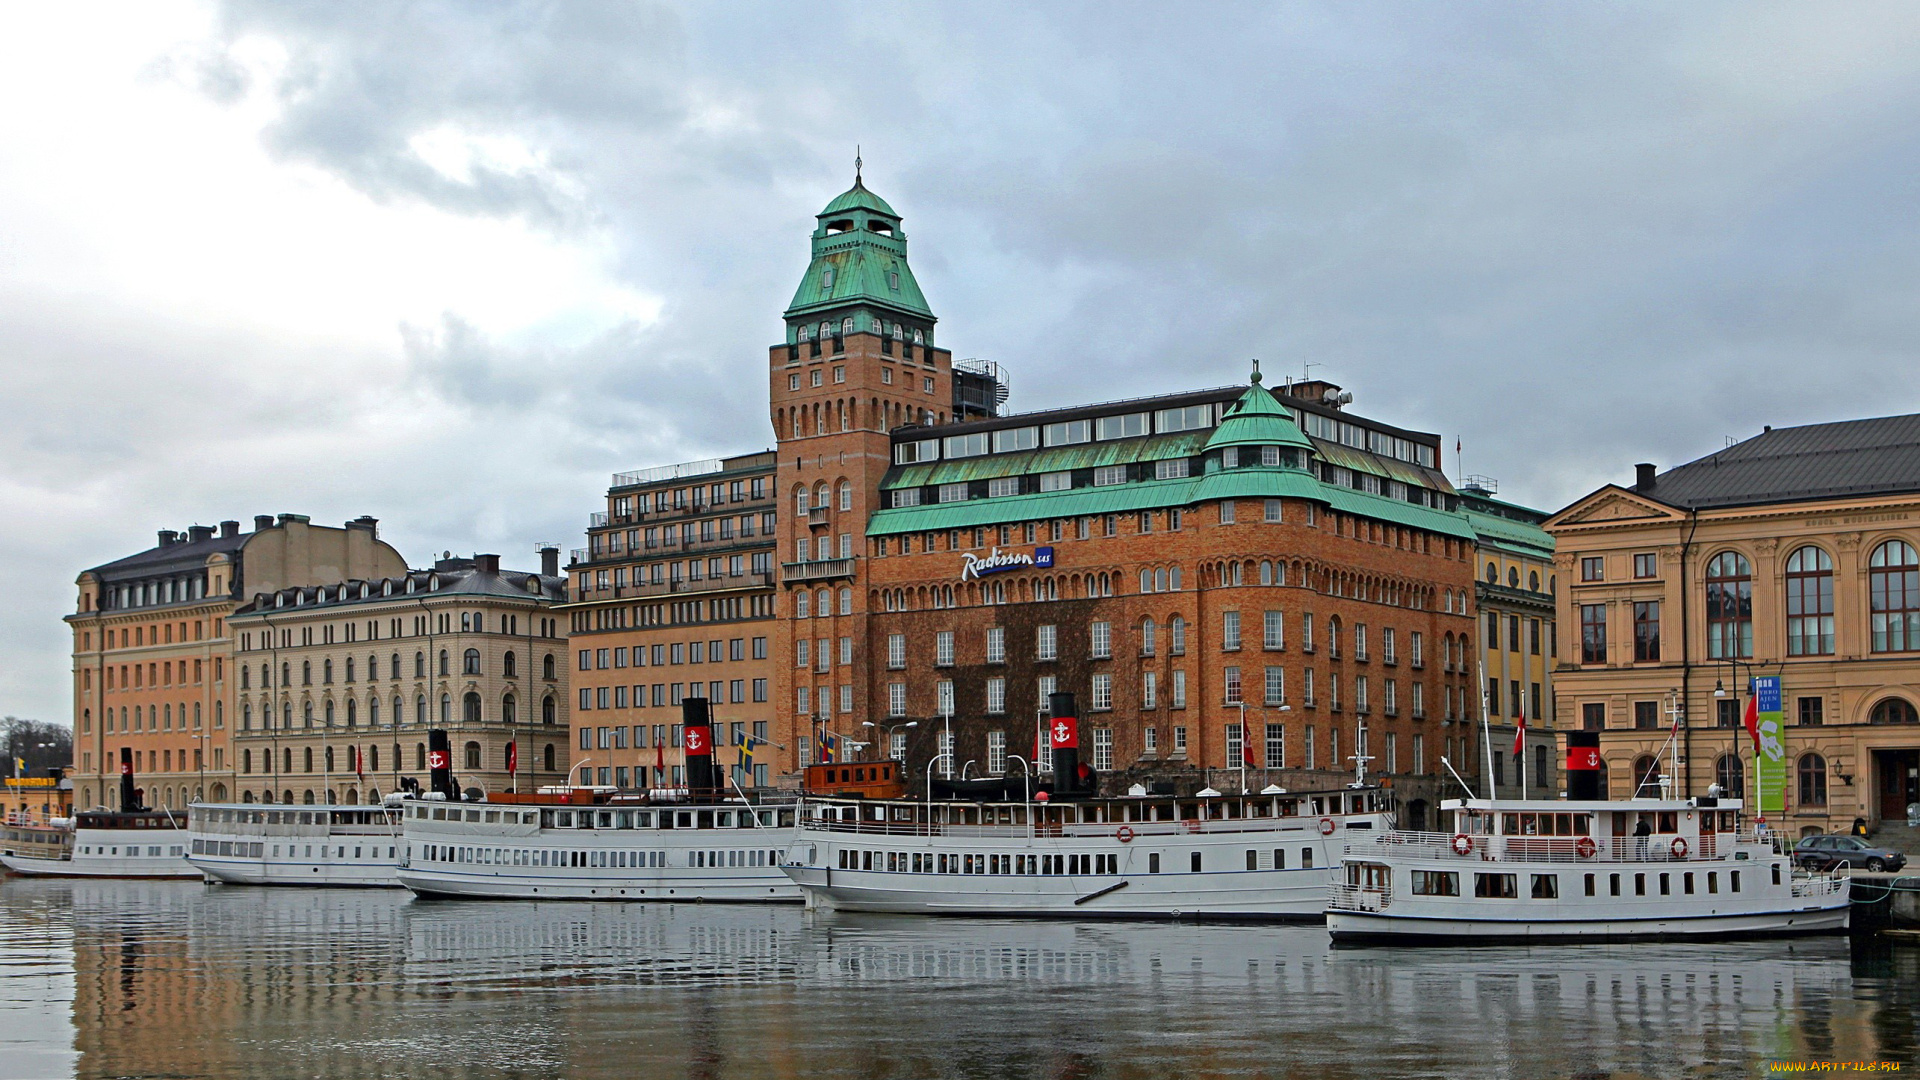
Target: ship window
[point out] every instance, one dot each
(1546, 886)
(1434, 883)
(1589, 884)
(1496, 886)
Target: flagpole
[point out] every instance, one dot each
(1486, 736)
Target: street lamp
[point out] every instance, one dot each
(890, 729)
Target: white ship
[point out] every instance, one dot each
(102, 843)
(1211, 856)
(264, 844)
(1539, 870)
(596, 844)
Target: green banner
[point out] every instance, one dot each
(1770, 762)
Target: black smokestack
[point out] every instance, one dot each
(550, 562)
(129, 795)
(440, 763)
(1583, 767)
(1063, 732)
(697, 728)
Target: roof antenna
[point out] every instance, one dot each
(856, 164)
(1306, 370)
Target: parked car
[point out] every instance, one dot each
(1830, 852)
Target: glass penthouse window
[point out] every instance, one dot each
(924, 450)
(1124, 426)
(1025, 438)
(1167, 421)
(960, 446)
(1066, 434)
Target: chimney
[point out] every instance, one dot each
(487, 564)
(229, 530)
(197, 533)
(168, 537)
(262, 522)
(1643, 476)
(367, 522)
(550, 562)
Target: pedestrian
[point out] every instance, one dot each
(1640, 833)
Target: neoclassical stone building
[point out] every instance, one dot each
(1792, 554)
(338, 684)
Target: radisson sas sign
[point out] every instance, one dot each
(995, 560)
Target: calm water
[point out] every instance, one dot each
(116, 979)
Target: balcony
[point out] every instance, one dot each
(594, 521)
(824, 570)
(816, 515)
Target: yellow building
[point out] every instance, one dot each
(1514, 585)
(32, 800)
(1789, 555)
(338, 684)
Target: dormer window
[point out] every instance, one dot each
(846, 325)
(918, 338)
(804, 333)
(898, 330)
(893, 280)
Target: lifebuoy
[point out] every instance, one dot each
(1326, 826)
(1585, 847)
(1124, 834)
(1191, 824)
(1462, 844)
(1679, 847)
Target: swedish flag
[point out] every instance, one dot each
(746, 755)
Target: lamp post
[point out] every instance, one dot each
(1246, 738)
(890, 729)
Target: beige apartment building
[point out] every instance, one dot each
(1792, 554)
(338, 684)
(152, 648)
(1513, 590)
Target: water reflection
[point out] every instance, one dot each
(114, 979)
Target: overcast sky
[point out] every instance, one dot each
(451, 265)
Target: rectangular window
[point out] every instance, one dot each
(1646, 630)
(1149, 690)
(1273, 511)
(997, 751)
(1103, 749)
(953, 493)
(943, 648)
(896, 651)
(1056, 481)
(1010, 439)
(960, 446)
(1229, 630)
(1100, 641)
(1102, 692)
(996, 695)
(996, 645)
(1593, 716)
(1179, 689)
(1231, 676)
(1001, 486)
(1069, 433)
(1274, 630)
(1593, 633)
(1276, 748)
(1646, 715)
(1121, 427)
(1496, 886)
(1276, 686)
(1191, 418)
(896, 699)
(1812, 711)
(1645, 565)
(1108, 475)
(1436, 883)
(1170, 469)
(1046, 643)
(1593, 568)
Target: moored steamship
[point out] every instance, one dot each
(133, 842)
(599, 843)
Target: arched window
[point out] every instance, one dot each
(419, 665)
(352, 719)
(306, 673)
(507, 715)
(1895, 710)
(470, 708)
(329, 759)
(1813, 780)
(307, 757)
(546, 712)
(1730, 775)
(470, 662)
(508, 667)
(473, 755)
(306, 713)
(1729, 606)
(1513, 576)
(326, 670)
(1177, 635)
(846, 601)
(1809, 602)
(1147, 634)
(1146, 581)
(443, 661)
(1894, 573)
(1533, 581)
(1646, 776)
(328, 708)
(446, 708)
(419, 755)
(1493, 574)
(420, 709)
(1603, 778)
(546, 667)
(846, 495)
(546, 758)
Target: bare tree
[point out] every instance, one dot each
(43, 746)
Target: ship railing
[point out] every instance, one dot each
(1084, 829)
(1816, 885)
(1658, 848)
(1347, 897)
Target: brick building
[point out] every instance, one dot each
(673, 597)
(337, 684)
(152, 648)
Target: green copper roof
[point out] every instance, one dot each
(859, 259)
(1257, 419)
(1051, 459)
(1492, 530)
(858, 197)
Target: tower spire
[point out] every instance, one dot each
(856, 164)
(1256, 373)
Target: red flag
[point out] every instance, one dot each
(1520, 731)
(359, 762)
(659, 762)
(1246, 748)
(1752, 720)
(513, 757)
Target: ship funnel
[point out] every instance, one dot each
(1583, 767)
(697, 727)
